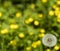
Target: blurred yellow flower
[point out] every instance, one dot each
(34, 44)
(32, 6)
(38, 42)
(57, 8)
(36, 23)
(0, 14)
(13, 42)
(42, 30)
(28, 48)
(21, 35)
(56, 47)
(30, 19)
(44, 1)
(40, 15)
(51, 12)
(4, 31)
(58, 16)
(58, 2)
(54, 6)
(30, 33)
(58, 20)
(56, 12)
(14, 26)
(47, 49)
(18, 14)
(27, 21)
(41, 35)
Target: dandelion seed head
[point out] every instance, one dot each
(49, 40)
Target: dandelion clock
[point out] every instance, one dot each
(49, 40)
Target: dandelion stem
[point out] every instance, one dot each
(41, 47)
(2, 44)
(14, 48)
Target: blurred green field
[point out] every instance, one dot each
(23, 24)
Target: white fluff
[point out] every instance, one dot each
(49, 40)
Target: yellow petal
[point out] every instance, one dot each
(4, 31)
(0, 14)
(47, 49)
(40, 15)
(36, 23)
(58, 2)
(56, 48)
(18, 14)
(51, 13)
(21, 35)
(44, 1)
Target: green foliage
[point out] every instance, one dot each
(23, 23)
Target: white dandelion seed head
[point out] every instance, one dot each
(49, 40)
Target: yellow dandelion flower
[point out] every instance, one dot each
(47, 49)
(30, 19)
(58, 2)
(13, 42)
(44, 1)
(58, 20)
(40, 15)
(28, 48)
(56, 47)
(4, 31)
(21, 35)
(14, 26)
(54, 6)
(58, 16)
(18, 14)
(30, 33)
(38, 42)
(56, 12)
(27, 21)
(32, 6)
(0, 14)
(57, 8)
(34, 44)
(42, 30)
(41, 35)
(51, 13)
(36, 23)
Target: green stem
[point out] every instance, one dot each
(14, 48)
(2, 44)
(41, 46)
